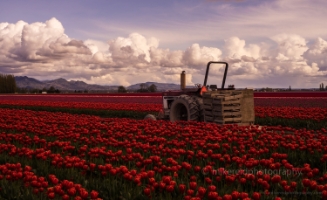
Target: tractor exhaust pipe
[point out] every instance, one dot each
(183, 80)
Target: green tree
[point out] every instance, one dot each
(34, 91)
(7, 83)
(19, 90)
(143, 88)
(51, 90)
(122, 89)
(152, 88)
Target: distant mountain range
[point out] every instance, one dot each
(64, 85)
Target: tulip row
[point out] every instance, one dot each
(127, 110)
(298, 117)
(314, 113)
(95, 98)
(125, 158)
(87, 105)
(23, 183)
(292, 94)
(258, 101)
(317, 114)
(303, 102)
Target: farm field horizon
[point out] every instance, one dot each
(265, 99)
(256, 94)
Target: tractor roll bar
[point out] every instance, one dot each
(207, 71)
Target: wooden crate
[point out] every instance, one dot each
(229, 106)
(211, 102)
(222, 115)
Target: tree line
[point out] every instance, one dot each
(143, 88)
(322, 88)
(35, 91)
(7, 83)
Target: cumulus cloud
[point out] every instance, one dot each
(44, 51)
(317, 54)
(97, 46)
(290, 47)
(135, 48)
(197, 56)
(166, 58)
(235, 50)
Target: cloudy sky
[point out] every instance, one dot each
(268, 43)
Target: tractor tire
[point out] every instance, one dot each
(185, 108)
(201, 109)
(150, 117)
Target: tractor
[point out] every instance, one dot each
(208, 103)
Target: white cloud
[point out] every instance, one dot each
(317, 54)
(165, 58)
(290, 47)
(236, 51)
(96, 46)
(199, 56)
(44, 51)
(135, 46)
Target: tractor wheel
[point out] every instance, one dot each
(150, 117)
(201, 109)
(185, 108)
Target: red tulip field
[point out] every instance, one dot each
(98, 147)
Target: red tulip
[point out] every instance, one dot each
(170, 188)
(276, 179)
(182, 188)
(51, 195)
(190, 192)
(201, 191)
(147, 191)
(235, 195)
(256, 195)
(193, 185)
(227, 197)
(212, 188)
